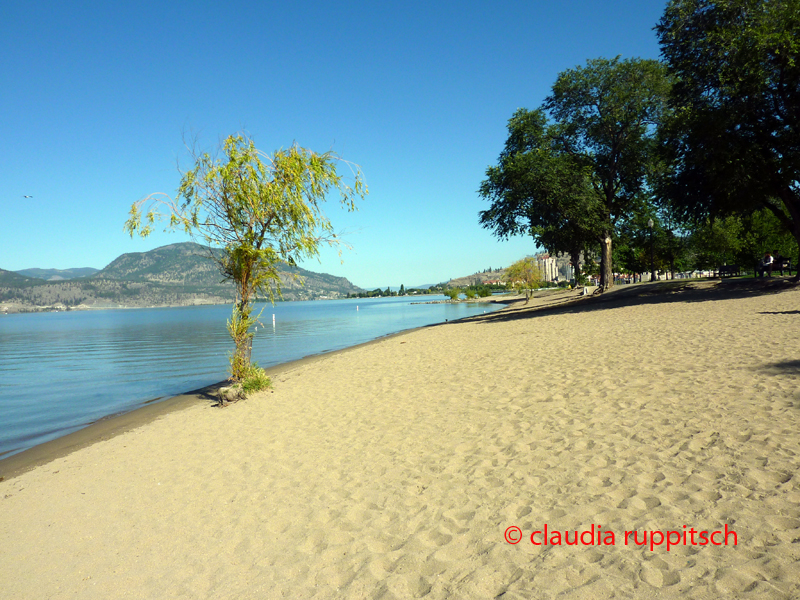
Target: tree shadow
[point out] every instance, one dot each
(786, 367)
(667, 292)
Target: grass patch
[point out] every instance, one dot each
(255, 380)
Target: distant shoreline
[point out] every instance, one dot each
(18, 310)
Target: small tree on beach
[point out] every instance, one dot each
(262, 211)
(452, 293)
(524, 275)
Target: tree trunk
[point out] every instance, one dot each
(575, 257)
(796, 278)
(791, 201)
(606, 266)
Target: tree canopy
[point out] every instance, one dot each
(608, 113)
(572, 169)
(734, 143)
(540, 190)
(261, 210)
(524, 275)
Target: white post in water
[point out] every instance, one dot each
(356, 307)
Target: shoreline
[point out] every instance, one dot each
(20, 309)
(119, 423)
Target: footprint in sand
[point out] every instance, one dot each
(658, 578)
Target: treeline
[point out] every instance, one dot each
(470, 292)
(387, 293)
(474, 290)
(633, 165)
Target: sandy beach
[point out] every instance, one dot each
(404, 468)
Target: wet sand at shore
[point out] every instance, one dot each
(398, 468)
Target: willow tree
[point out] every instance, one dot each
(260, 211)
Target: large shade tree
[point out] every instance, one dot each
(536, 189)
(607, 113)
(734, 142)
(588, 152)
(260, 211)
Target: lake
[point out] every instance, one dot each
(62, 371)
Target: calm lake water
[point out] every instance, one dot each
(62, 371)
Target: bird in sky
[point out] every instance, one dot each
(27, 196)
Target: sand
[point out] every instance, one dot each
(398, 469)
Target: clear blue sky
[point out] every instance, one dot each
(96, 96)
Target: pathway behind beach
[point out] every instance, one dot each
(396, 469)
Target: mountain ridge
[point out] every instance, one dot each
(180, 274)
(58, 274)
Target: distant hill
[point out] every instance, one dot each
(12, 278)
(186, 264)
(58, 274)
(485, 277)
(175, 275)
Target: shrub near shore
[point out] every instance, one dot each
(255, 379)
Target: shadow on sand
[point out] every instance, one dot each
(787, 367)
(633, 295)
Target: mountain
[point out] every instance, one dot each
(12, 278)
(175, 275)
(58, 274)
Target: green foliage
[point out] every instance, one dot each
(765, 233)
(379, 293)
(607, 114)
(452, 293)
(733, 239)
(740, 240)
(255, 380)
(569, 180)
(260, 210)
(239, 326)
(639, 247)
(470, 293)
(540, 189)
(734, 142)
(524, 275)
(718, 242)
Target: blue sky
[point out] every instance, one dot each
(96, 98)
